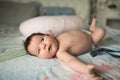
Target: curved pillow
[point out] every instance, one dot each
(57, 24)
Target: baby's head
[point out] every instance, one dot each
(41, 45)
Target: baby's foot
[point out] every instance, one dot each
(93, 25)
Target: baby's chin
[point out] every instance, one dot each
(46, 57)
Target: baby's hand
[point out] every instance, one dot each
(90, 73)
(49, 32)
(96, 78)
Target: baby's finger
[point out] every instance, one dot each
(96, 78)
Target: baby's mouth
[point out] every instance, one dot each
(49, 48)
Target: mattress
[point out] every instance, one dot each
(21, 66)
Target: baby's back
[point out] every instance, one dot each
(75, 42)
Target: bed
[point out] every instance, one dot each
(15, 64)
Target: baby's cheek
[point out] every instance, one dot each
(44, 55)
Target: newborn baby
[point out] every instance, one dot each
(66, 46)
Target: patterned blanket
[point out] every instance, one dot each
(16, 65)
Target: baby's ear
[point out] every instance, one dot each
(49, 32)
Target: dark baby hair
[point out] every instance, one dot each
(27, 41)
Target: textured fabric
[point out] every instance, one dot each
(56, 11)
(102, 51)
(57, 24)
(27, 67)
(11, 44)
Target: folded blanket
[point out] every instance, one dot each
(102, 51)
(11, 48)
(11, 44)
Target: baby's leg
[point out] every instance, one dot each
(98, 33)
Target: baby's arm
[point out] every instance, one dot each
(77, 65)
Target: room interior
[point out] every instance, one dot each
(16, 64)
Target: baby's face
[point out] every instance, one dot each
(43, 46)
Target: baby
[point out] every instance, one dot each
(66, 46)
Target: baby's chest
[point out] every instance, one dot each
(72, 47)
(77, 47)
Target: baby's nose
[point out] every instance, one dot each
(42, 45)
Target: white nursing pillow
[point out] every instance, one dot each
(57, 24)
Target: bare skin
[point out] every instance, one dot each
(68, 45)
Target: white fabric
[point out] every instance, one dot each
(57, 24)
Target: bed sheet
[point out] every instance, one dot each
(32, 68)
(11, 44)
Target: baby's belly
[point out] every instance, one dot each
(77, 50)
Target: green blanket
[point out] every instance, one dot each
(11, 45)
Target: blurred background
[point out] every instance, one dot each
(107, 12)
